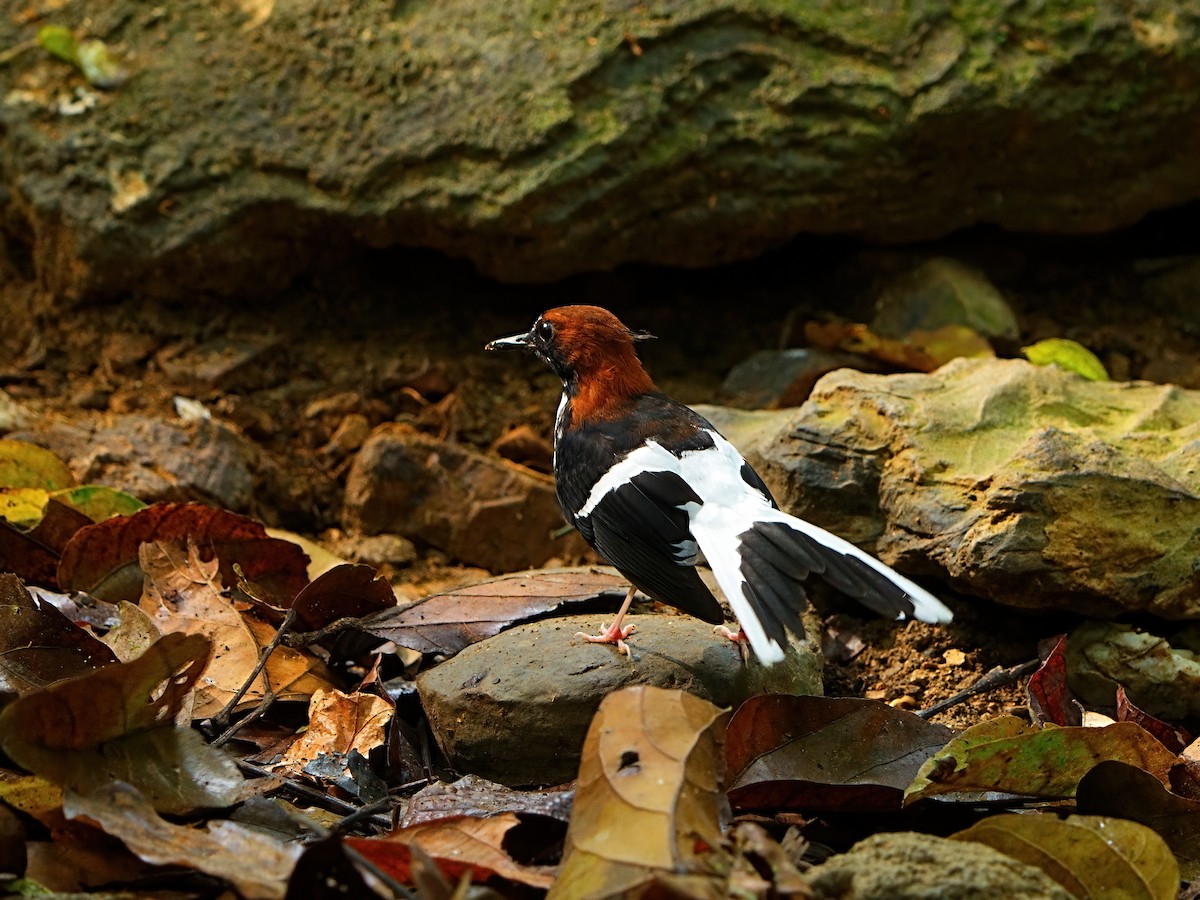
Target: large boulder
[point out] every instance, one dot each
(541, 140)
(1027, 485)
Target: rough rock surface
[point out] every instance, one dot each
(544, 139)
(155, 460)
(909, 866)
(1026, 485)
(481, 510)
(515, 708)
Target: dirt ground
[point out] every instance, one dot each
(399, 335)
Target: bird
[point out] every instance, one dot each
(652, 486)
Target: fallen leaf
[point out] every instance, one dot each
(337, 724)
(1049, 698)
(22, 555)
(344, 592)
(446, 622)
(99, 502)
(1090, 856)
(325, 872)
(1125, 791)
(1174, 739)
(761, 867)
(114, 724)
(1005, 754)
(102, 559)
(459, 846)
(257, 865)
(648, 800)
(475, 796)
(33, 795)
(825, 753)
(38, 644)
(24, 465)
(22, 507)
(1066, 354)
(133, 634)
(920, 350)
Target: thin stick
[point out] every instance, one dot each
(222, 739)
(997, 677)
(221, 719)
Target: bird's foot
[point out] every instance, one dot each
(613, 634)
(738, 637)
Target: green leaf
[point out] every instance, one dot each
(98, 502)
(60, 42)
(1090, 856)
(1067, 355)
(25, 465)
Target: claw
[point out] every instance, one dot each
(613, 634)
(738, 637)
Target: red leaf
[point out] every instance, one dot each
(1050, 700)
(1174, 739)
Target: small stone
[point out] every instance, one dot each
(905, 702)
(225, 363)
(92, 396)
(773, 379)
(376, 549)
(124, 351)
(515, 707)
(339, 405)
(942, 292)
(352, 432)
(876, 695)
(12, 414)
(954, 657)
(526, 447)
(907, 866)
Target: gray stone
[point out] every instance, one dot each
(1028, 485)
(542, 140)
(942, 292)
(515, 708)
(908, 866)
(772, 379)
(1161, 677)
(481, 510)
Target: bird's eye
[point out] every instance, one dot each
(545, 330)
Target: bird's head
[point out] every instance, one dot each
(588, 348)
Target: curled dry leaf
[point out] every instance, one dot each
(115, 724)
(184, 594)
(1125, 791)
(459, 846)
(447, 622)
(648, 802)
(344, 592)
(337, 724)
(38, 644)
(1174, 739)
(1091, 856)
(1050, 700)
(1005, 754)
(102, 559)
(825, 753)
(257, 865)
(475, 796)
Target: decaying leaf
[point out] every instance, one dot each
(1125, 791)
(98, 502)
(337, 724)
(115, 724)
(24, 465)
(825, 753)
(475, 796)
(1091, 856)
(256, 864)
(183, 594)
(447, 622)
(133, 634)
(762, 868)
(1066, 354)
(458, 846)
(102, 559)
(648, 802)
(1050, 700)
(38, 644)
(33, 795)
(1174, 739)
(1006, 754)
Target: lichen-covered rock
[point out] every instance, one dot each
(1162, 677)
(544, 139)
(1027, 485)
(516, 707)
(908, 866)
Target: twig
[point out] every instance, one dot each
(223, 738)
(370, 809)
(311, 795)
(221, 719)
(304, 638)
(997, 677)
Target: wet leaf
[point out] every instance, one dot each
(114, 724)
(1005, 754)
(648, 800)
(257, 865)
(347, 591)
(98, 502)
(475, 796)
(1050, 700)
(1091, 856)
(102, 559)
(1066, 354)
(447, 622)
(24, 465)
(1125, 791)
(458, 846)
(184, 594)
(38, 644)
(1174, 739)
(337, 724)
(825, 754)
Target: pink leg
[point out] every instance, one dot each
(614, 633)
(738, 637)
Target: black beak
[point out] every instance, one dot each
(513, 342)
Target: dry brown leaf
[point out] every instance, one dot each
(134, 632)
(475, 796)
(256, 864)
(338, 723)
(458, 846)
(648, 802)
